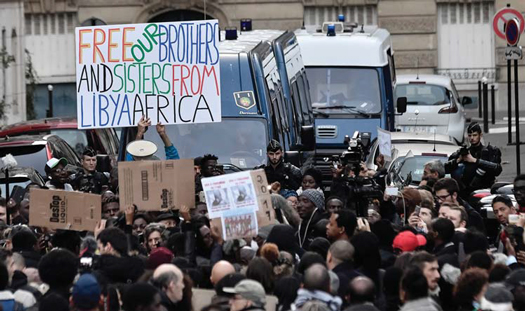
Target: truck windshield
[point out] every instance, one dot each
(344, 90)
(241, 142)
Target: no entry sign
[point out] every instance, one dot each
(502, 17)
(512, 32)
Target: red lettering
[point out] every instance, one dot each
(207, 73)
(126, 44)
(173, 79)
(81, 45)
(96, 43)
(194, 69)
(184, 77)
(112, 45)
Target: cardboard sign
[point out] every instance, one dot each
(157, 185)
(57, 209)
(168, 72)
(239, 203)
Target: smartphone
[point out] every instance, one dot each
(513, 219)
(417, 210)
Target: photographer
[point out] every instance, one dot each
(89, 180)
(281, 175)
(475, 167)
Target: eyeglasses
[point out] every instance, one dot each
(442, 197)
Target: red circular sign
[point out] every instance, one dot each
(499, 17)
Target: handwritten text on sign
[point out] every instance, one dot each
(168, 72)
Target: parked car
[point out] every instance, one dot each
(103, 141)
(433, 105)
(412, 165)
(35, 150)
(416, 143)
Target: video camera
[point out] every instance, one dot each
(362, 190)
(356, 152)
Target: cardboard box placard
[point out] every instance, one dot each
(57, 209)
(157, 185)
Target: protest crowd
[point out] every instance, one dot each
(425, 248)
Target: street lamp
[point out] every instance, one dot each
(49, 113)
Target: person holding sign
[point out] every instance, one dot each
(140, 149)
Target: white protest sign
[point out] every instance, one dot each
(168, 72)
(229, 193)
(239, 204)
(385, 143)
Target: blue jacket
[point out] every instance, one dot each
(171, 154)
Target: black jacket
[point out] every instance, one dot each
(479, 175)
(91, 183)
(110, 269)
(288, 175)
(345, 272)
(306, 232)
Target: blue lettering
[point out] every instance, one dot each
(82, 124)
(163, 39)
(105, 109)
(173, 40)
(125, 104)
(116, 107)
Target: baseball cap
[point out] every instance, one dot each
(407, 241)
(86, 292)
(249, 290)
(53, 162)
(141, 148)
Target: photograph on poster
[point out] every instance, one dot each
(239, 225)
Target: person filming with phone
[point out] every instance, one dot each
(475, 167)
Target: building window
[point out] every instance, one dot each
(361, 14)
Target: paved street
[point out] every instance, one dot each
(498, 136)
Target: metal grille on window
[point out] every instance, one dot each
(362, 14)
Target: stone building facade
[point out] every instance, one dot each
(452, 37)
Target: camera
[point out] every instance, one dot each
(361, 191)
(463, 151)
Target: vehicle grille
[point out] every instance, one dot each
(326, 131)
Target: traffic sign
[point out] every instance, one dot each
(513, 52)
(502, 17)
(512, 32)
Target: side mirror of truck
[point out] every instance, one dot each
(308, 137)
(293, 157)
(401, 105)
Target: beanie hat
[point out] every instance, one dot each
(315, 196)
(86, 292)
(159, 256)
(288, 193)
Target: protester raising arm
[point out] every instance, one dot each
(171, 151)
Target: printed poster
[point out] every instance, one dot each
(229, 193)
